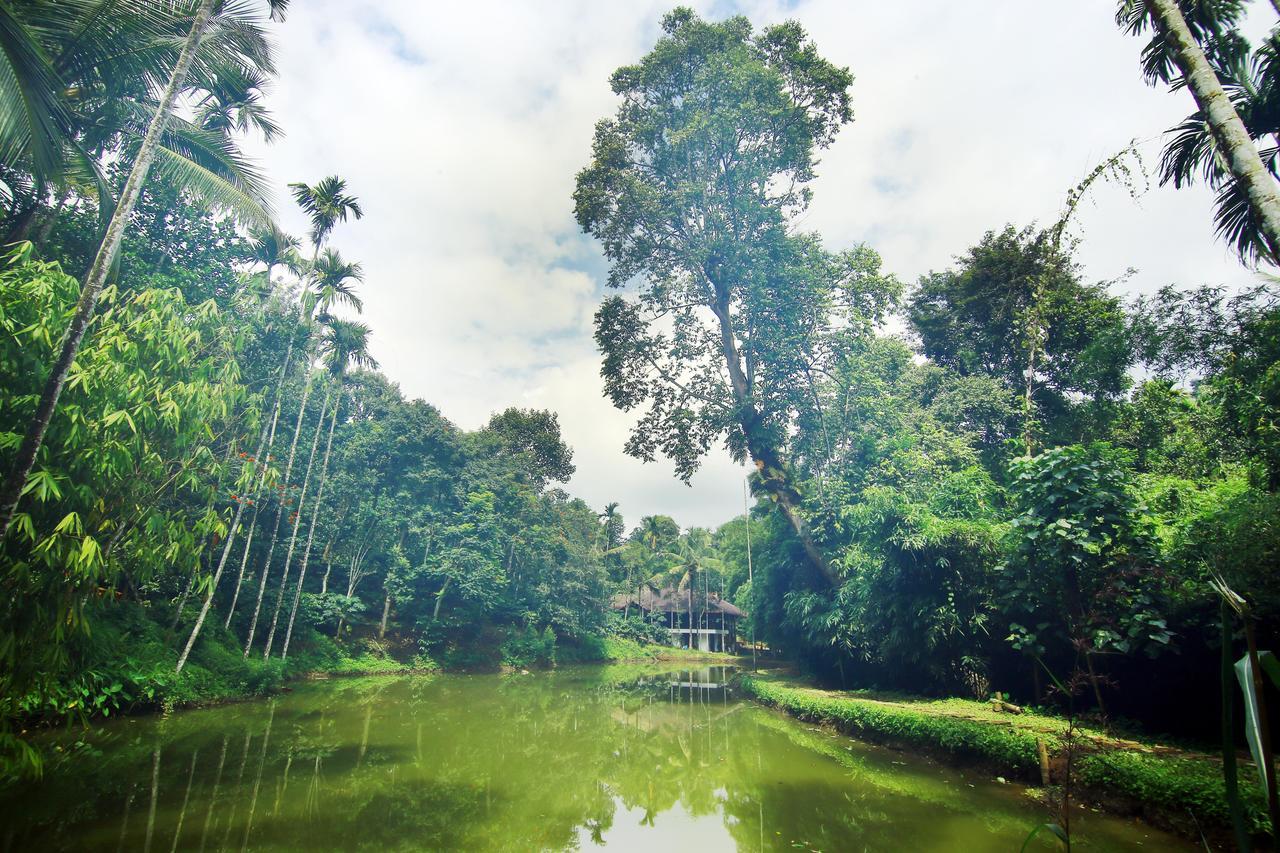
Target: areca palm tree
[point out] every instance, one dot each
(693, 556)
(346, 344)
(36, 130)
(327, 203)
(331, 281)
(233, 103)
(273, 248)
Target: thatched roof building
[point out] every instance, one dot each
(711, 627)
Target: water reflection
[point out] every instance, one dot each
(624, 757)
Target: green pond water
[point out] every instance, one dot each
(622, 757)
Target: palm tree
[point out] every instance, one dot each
(41, 136)
(332, 281)
(273, 248)
(694, 555)
(346, 344)
(329, 281)
(1217, 140)
(233, 103)
(327, 203)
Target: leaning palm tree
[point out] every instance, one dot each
(38, 134)
(346, 344)
(1237, 105)
(331, 281)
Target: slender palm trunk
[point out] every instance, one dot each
(16, 480)
(262, 480)
(275, 531)
(311, 530)
(222, 564)
(1230, 137)
(195, 570)
(297, 523)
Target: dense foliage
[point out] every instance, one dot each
(1035, 476)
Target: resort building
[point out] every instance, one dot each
(711, 627)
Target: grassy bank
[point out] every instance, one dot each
(1172, 787)
(129, 668)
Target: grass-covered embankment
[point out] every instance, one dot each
(1167, 785)
(128, 666)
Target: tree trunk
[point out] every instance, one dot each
(386, 611)
(297, 524)
(16, 480)
(275, 531)
(208, 599)
(1230, 769)
(311, 531)
(262, 480)
(773, 476)
(182, 601)
(1097, 688)
(1230, 137)
(435, 614)
(222, 563)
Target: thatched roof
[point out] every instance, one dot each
(675, 601)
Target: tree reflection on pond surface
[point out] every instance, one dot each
(628, 757)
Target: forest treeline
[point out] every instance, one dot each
(215, 485)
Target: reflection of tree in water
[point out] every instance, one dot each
(551, 761)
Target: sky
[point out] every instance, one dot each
(461, 126)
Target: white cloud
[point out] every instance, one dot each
(461, 126)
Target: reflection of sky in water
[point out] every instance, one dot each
(657, 758)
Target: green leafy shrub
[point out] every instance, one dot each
(1177, 784)
(529, 648)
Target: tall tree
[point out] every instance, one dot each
(533, 437)
(330, 281)
(150, 147)
(346, 344)
(693, 191)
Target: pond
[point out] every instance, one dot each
(629, 758)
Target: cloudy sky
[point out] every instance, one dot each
(461, 125)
